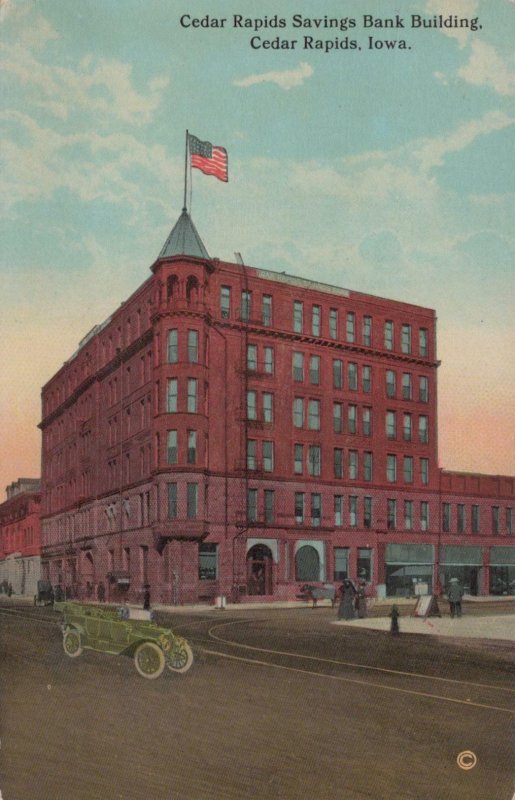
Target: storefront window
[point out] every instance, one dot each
(207, 562)
(341, 563)
(409, 569)
(365, 564)
(502, 571)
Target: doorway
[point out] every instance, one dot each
(259, 570)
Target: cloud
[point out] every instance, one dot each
(487, 68)
(286, 79)
(461, 8)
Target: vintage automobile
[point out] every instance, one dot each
(124, 631)
(45, 594)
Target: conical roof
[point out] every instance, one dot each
(184, 240)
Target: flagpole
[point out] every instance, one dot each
(185, 170)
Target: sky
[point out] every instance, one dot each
(386, 170)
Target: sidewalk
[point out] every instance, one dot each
(494, 627)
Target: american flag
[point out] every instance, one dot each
(210, 159)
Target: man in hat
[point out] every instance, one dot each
(454, 595)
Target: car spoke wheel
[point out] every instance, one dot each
(71, 643)
(149, 660)
(180, 658)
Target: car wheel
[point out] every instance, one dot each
(149, 660)
(180, 658)
(71, 643)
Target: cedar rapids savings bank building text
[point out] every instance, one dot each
(313, 28)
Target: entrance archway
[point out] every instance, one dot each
(259, 570)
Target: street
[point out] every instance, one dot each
(280, 703)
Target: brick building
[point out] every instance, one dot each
(20, 537)
(231, 430)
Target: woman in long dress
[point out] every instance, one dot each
(346, 607)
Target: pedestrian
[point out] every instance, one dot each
(394, 616)
(101, 593)
(9, 589)
(146, 598)
(454, 595)
(361, 600)
(347, 594)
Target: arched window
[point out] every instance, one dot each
(307, 564)
(192, 289)
(172, 285)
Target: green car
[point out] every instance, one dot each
(128, 631)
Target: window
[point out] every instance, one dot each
(391, 468)
(509, 528)
(406, 427)
(314, 370)
(225, 302)
(268, 456)
(408, 469)
(192, 447)
(367, 512)
(299, 507)
(269, 360)
(352, 419)
(391, 518)
(424, 515)
(423, 429)
(391, 425)
(367, 331)
(390, 383)
(191, 500)
(315, 320)
(460, 519)
(337, 417)
(171, 399)
(333, 323)
(316, 510)
(251, 454)
(353, 464)
(365, 564)
(408, 514)
(298, 412)
(172, 346)
(314, 460)
(337, 374)
(368, 465)
(351, 326)
(246, 301)
(353, 376)
(268, 407)
(193, 347)
(297, 316)
(207, 562)
(251, 405)
(172, 501)
(266, 315)
(353, 511)
(424, 471)
(269, 506)
(192, 395)
(495, 520)
(422, 342)
(406, 386)
(388, 335)
(366, 421)
(338, 510)
(341, 559)
(475, 519)
(338, 462)
(406, 339)
(298, 458)
(298, 366)
(252, 357)
(366, 379)
(423, 389)
(252, 505)
(314, 415)
(171, 449)
(446, 517)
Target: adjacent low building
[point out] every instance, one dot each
(20, 537)
(236, 431)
